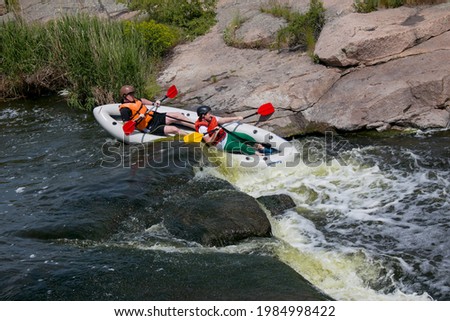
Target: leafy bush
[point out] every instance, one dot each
(158, 37)
(193, 17)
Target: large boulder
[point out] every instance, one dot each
(212, 212)
(368, 38)
(412, 91)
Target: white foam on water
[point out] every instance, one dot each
(345, 197)
(9, 113)
(158, 238)
(343, 273)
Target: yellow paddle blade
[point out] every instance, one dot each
(193, 138)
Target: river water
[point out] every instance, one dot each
(371, 220)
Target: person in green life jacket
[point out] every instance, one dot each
(213, 134)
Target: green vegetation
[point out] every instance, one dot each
(301, 32)
(91, 58)
(229, 34)
(365, 6)
(303, 29)
(12, 5)
(192, 17)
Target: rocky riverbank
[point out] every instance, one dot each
(381, 70)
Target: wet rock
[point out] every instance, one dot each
(213, 213)
(277, 204)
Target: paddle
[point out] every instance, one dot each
(264, 110)
(130, 125)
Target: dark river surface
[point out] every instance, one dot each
(372, 220)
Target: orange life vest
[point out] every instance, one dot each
(137, 108)
(210, 127)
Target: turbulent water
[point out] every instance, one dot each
(371, 220)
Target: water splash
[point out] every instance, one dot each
(355, 232)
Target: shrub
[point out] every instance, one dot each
(302, 30)
(159, 38)
(193, 17)
(229, 34)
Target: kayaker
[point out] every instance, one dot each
(215, 135)
(147, 120)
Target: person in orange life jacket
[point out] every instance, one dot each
(147, 121)
(208, 125)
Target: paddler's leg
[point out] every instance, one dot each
(173, 130)
(159, 126)
(236, 145)
(178, 118)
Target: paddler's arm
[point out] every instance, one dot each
(149, 102)
(224, 120)
(208, 137)
(125, 114)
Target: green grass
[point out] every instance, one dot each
(91, 58)
(192, 17)
(87, 56)
(303, 29)
(229, 34)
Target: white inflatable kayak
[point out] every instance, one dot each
(278, 151)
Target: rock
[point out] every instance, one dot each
(410, 91)
(277, 204)
(305, 95)
(368, 38)
(259, 31)
(207, 221)
(39, 10)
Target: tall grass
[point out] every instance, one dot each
(303, 29)
(99, 56)
(87, 56)
(90, 58)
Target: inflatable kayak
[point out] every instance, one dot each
(277, 150)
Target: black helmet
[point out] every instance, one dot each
(203, 110)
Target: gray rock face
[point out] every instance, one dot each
(395, 71)
(400, 92)
(44, 10)
(381, 35)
